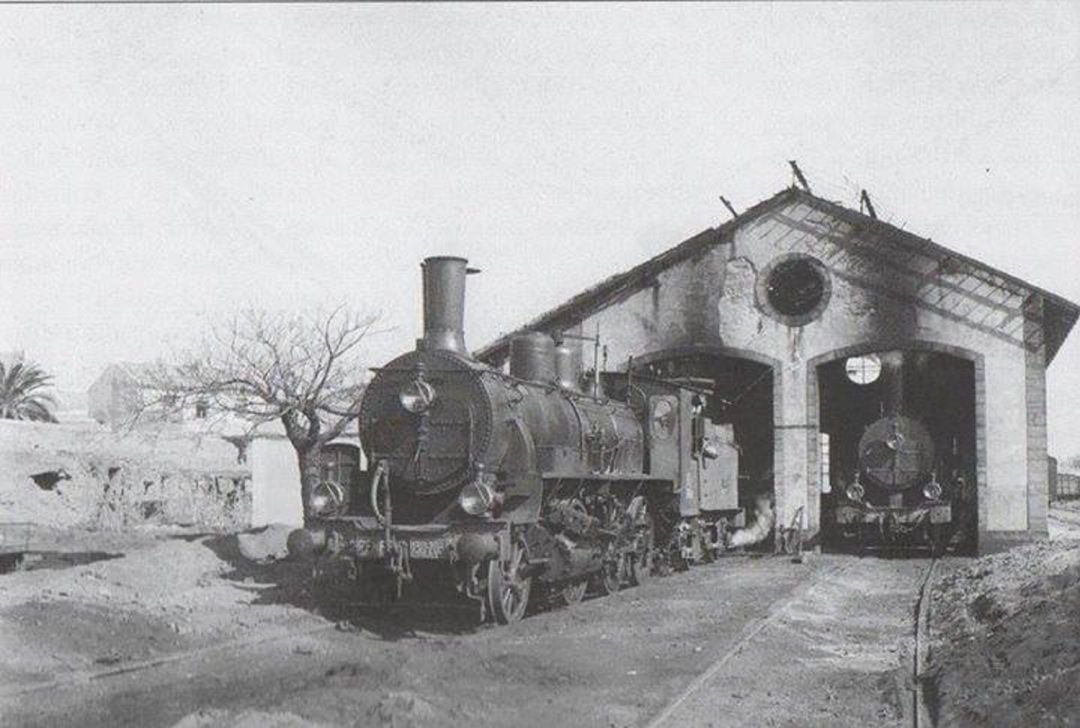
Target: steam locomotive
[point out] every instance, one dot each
(896, 499)
(905, 491)
(503, 485)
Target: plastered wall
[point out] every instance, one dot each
(275, 477)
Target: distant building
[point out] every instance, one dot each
(123, 393)
(1064, 479)
(124, 390)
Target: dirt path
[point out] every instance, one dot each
(837, 654)
(826, 657)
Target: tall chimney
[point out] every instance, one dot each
(444, 304)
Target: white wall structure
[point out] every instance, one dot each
(275, 482)
(275, 474)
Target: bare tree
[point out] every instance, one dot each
(302, 369)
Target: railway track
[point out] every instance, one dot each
(526, 662)
(921, 716)
(775, 610)
(739, 648)
(919, 713)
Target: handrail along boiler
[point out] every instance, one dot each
(505, 482)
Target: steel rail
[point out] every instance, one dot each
(921, 717)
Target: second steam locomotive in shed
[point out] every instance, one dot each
(506, 484)
(904, 462)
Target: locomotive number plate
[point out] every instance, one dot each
(419, 548)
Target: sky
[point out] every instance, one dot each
(164, 165)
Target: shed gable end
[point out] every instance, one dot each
(892, 273)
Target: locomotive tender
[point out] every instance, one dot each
(505, 484)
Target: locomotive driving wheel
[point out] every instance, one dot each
(641, 560)
(508, 589)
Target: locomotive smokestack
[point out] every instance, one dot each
(444, 303)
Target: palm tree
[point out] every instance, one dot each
(21, 395)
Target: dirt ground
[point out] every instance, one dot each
(838, 654)
(184, 630)
(1006, 632)
(170, 627)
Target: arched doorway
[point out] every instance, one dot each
(744, 392)
(897, 424)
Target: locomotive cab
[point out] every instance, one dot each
(698, 456)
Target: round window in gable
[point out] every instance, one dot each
(794, 289)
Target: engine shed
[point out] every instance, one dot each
(812, 320)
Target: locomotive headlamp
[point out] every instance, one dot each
(417, 396)
(320, 503)
(477, 498)
(855, 491)
(932, 490)
(327, 498)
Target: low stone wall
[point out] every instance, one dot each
(84, 475)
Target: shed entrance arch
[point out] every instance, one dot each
(744, 395)
(899, 432)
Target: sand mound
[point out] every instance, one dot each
(406, 709)
(265, 544)
(1007, 639)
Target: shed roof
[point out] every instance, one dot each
(1060, 314)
